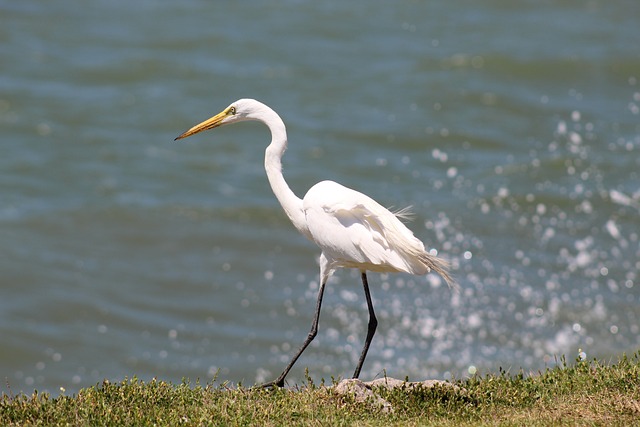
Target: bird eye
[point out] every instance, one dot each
(232, 111)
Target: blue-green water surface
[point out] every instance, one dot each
(512, 128)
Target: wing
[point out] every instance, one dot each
(354, 230)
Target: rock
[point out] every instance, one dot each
(361, 393)
(365, 391)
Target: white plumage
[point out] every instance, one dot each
(354, 231)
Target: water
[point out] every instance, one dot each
(513, 130)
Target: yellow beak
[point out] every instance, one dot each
(211, 123)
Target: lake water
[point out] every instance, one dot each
(513, 129)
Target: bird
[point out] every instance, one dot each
(351, 229)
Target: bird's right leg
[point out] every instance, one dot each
(312, 334)
(371, 328)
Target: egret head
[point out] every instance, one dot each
(241, 110)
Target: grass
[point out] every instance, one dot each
(583, 393)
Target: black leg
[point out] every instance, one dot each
(312, 334)
(371, 328)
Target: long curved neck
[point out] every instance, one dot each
(291, 203)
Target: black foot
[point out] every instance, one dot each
(273, 384)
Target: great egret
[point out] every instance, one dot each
(351, 229)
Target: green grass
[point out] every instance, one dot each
(583, 393)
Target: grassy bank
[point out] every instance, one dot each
(588, 392)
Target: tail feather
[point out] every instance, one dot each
(441, 267)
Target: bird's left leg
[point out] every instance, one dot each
(312, 334)
(371, 328)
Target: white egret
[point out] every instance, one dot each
(351, 229)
